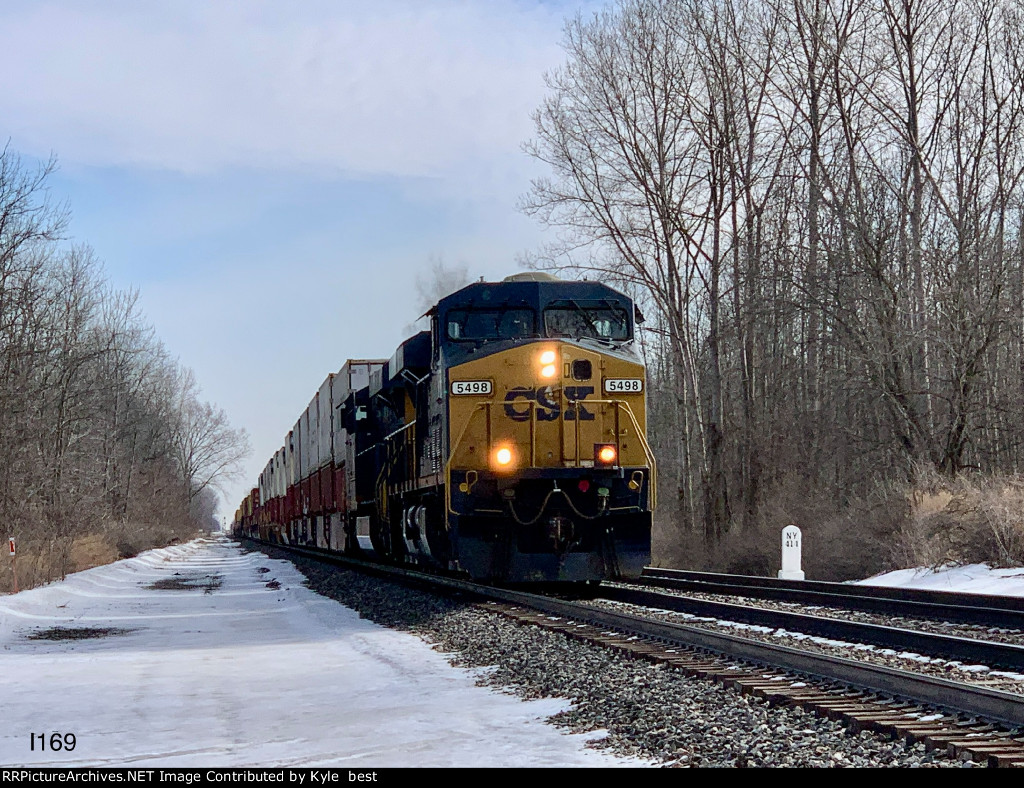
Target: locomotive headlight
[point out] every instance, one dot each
(503, 457)
(605, 454)
(547, 362)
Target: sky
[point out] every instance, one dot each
(174, 686)
(271, 177)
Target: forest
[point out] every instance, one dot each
(106, 446)
(818, 205)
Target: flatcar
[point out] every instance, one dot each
(507, 443)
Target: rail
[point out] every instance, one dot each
(984, 609)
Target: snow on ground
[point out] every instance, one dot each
(231, 672)
(973, 579)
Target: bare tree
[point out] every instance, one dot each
(203, 444)
(820, 202)
(104, 444)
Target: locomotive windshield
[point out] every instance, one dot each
(603, 320)
(487, 324)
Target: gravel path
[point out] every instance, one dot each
(649, 711)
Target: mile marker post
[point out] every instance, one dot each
(14, 562)
(791, 554)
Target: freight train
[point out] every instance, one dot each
(507, 443)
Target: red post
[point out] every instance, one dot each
(14, 562)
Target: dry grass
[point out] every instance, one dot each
(969, 519)
(92, 550)
(842, 539)
(936, 521)
(42, 559)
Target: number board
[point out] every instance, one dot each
(460, 387)
(623, 385)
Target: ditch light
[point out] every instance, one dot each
(605, 454)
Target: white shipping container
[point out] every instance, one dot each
(339, 393)
(325, 443)
(308, 451)
(293, 453)
(286, 455)
(355, 374)
(314, 433)
(303, 450)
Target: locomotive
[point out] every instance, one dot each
(507, 443)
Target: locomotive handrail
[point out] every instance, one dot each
(404, 427)
(648, 453)
(393, 451)
(451, 456)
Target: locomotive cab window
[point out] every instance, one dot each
(469, 325)
(604, 320)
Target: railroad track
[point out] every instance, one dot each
(949, 647)
(984, 609)
(969, 721)
(879, 712)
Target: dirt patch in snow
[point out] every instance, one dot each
(77, 633)
(208, 583)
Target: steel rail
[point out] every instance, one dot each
(988, 609)
(1005, 655)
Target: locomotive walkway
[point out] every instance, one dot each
(205, 655)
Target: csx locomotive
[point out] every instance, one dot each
(507, 443)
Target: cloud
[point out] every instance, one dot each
(384, 88)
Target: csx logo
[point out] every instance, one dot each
(517, 402)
